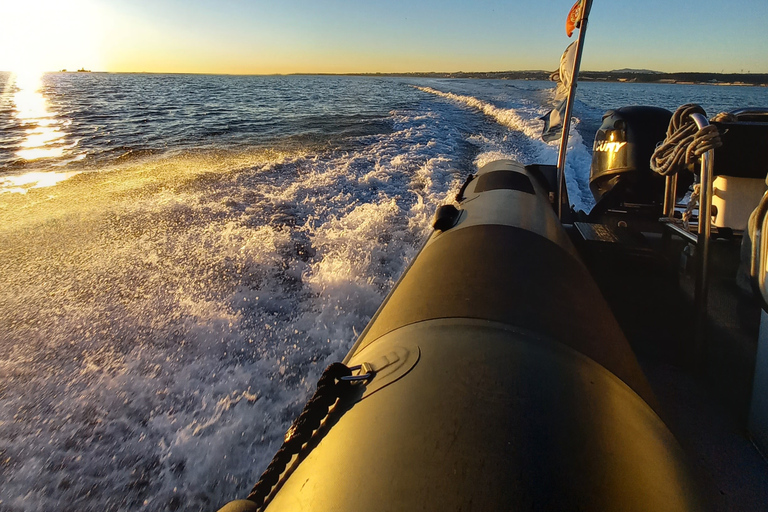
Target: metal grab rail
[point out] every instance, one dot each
(701, 289)
(759, 257)
(704, 232)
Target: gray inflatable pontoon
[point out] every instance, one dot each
(503, 381)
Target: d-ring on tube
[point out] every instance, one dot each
(367, 375)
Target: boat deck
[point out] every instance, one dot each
(703, 386)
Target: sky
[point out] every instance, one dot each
(344, 36)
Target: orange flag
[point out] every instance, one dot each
(574, 18)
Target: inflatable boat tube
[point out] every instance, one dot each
(504, 381)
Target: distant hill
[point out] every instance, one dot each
(619, 75)
(637, 71)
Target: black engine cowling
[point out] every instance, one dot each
(620, 171)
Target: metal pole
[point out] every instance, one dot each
(702, 244)
(561, 189)
(670, 196)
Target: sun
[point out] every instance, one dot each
(50, 35)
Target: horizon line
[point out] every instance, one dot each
(365, 73)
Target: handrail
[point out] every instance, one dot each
(704, 232)
(670, 195)
(759, 257)
(707, 166)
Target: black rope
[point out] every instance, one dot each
(330, 388)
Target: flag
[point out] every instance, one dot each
(553, 120)
(565, 73)
(574, 18)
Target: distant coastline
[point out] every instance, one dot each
(641, 76)
(620, 75)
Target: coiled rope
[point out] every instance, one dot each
(683, 146)
(685, 142)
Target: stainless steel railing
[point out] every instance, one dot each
(705, 221)
(703, 234)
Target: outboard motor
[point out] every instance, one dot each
(620, 171)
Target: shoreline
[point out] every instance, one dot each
(686, 78)
(628, 76)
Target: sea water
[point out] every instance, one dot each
(182, 255)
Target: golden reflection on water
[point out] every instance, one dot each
(43, 138)
(43, 132)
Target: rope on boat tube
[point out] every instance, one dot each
(331, 387)
(684, 143)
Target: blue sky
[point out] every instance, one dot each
(290, 36)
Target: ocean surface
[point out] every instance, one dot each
(182, 255)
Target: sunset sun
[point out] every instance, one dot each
(50, 35)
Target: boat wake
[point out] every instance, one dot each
(526, 122)
(162, 321)
(510, 118)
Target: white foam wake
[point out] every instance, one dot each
(506, 117)
(531, 149)
(173, 315)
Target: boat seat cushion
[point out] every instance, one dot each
(744, 152)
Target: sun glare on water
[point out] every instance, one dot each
(44, 136)
(43, 36)
(43, 130)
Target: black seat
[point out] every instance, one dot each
(744, 153)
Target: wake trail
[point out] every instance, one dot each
(527, 122)
(505, 117)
